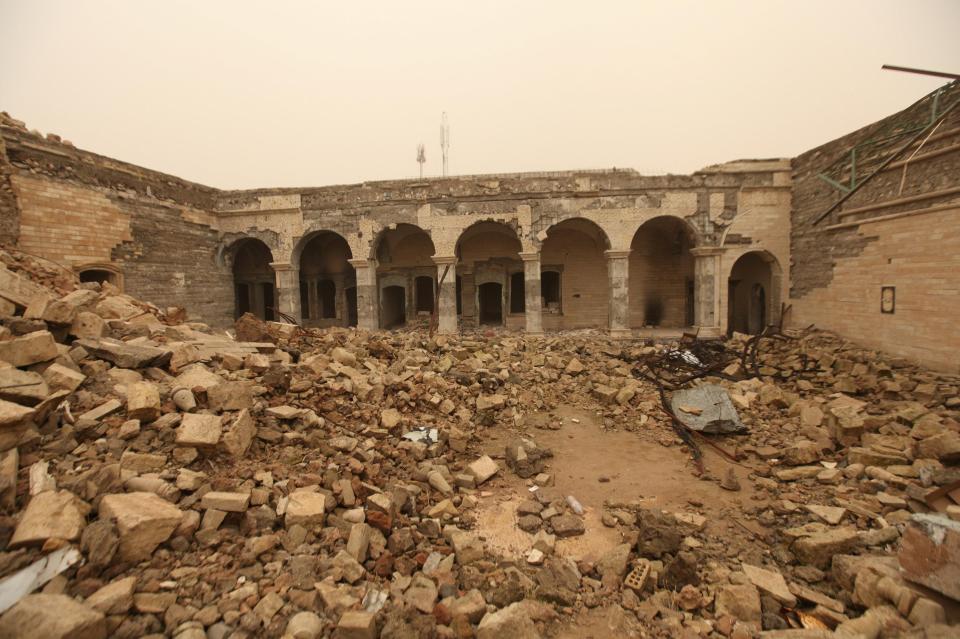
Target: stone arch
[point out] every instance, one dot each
(100, 272)
(227, 248)
(661, 273)
(322, 259)
(488, 252)
(753, 292)
(574, 281)
(403, 254)
(254, 283)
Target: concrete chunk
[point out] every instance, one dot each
(708, 409)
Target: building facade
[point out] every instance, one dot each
(728, 248)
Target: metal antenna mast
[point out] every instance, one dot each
(445, 142)
(421, 157)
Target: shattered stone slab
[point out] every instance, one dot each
(716, 412)
(126, 355)
(930, 553)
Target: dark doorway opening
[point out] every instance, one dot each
(423, 290)
(459, 292)
(550, 289)
(491, 303)
(269, 302)
(327, 298)
(518, 302)
(97, 275)
(394, 306)
(243, 299)
(351, 294)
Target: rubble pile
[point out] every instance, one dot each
(159, 479)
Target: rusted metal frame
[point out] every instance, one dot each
(883, 165)
(685, 434)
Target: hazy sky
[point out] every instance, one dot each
(239, 94)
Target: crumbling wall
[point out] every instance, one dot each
(9, 209)
(81, 209)
(896, 231)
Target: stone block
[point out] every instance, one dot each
(356, 624)
(115, 598)
(513, 622)
(306, 508)
(202, 431)
(59, 377)
(22, 387)
(143, 402)
(28, 349)
(50, 515)
(144, 521)
(226, 501)
(930, 553)
(238, 439)
(483, 469)
(88, 326)
(125, 355)
(52, 617)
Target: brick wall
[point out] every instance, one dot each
(897, 230)
(583, 280)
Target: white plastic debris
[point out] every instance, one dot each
(21, 583)
(423, 434)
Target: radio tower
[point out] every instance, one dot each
(445, 141)
(421, 157)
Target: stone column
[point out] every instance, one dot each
(618, 275)
(446, 297)
(532, 300)
(288, 290)
(368, 297)
(706, 290)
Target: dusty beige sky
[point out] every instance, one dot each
(240, 94)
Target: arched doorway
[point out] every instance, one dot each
(662, 274)
(325, 277)
(573, 276)
(253, 279)
(488, 253)
(404, 261)
(752, 293)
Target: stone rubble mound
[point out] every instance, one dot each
(184, 483)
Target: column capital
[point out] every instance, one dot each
(440, 260)
(614, 255)
(359, 262)
(706, 251)
(530, 257)
(282, 266)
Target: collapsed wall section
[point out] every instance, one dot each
(153, 233)
(881, 269)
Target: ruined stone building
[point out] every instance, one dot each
(726, 248)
